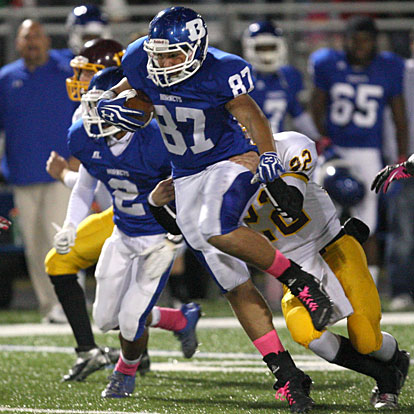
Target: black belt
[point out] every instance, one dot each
(337, 237)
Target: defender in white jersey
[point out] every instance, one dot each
(316, 240)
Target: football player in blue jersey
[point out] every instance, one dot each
(86, 22)
(351, 89)
(278, 84)
(129, 164)
(200, 96)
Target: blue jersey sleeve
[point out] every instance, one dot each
(76, 139)
(295, 86)
(232, 75)
(395, 68)
(320, 67)
(134, 58)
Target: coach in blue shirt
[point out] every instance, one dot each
(35, 114)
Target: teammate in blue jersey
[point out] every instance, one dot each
(129, 164)
(200, 96)
(86, 22)
(277, 84)
(351, 89)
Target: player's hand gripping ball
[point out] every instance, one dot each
(130, 110)
(139, 101)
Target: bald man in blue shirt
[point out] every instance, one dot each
(35, 114)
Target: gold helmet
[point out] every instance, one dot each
(95, 55)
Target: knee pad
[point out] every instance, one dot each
(364, 335)
(60, 264)
(104, 321)
(131, 330)
(300, 326)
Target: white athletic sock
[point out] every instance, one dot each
(388, 347)
(156, 316)
(327, 346)
(374, 270)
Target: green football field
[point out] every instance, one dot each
(225, 376)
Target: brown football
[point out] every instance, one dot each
(143, 103)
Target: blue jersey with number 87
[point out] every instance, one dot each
(356, 96)
(197, 129)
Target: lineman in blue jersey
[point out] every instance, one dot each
(129, 164)
(277, 84)
(199, 95)
(352, 88)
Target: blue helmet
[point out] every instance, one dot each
(86, 22)
(94, 125)
(176, 29)
(341, 185)
(264, 46)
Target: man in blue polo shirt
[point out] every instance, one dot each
(35, 114)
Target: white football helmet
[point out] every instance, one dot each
(264, 47)
(86, 22)
(94, 125)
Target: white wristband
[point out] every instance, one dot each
(151, 201)
(107, 95)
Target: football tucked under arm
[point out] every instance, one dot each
(129, 111)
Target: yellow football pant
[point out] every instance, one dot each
(347, 260)
(90, 237)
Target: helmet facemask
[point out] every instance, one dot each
(266, 52)
(74, 86)
(95, 55)
(172, 75)
(94, 125)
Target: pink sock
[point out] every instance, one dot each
(269, 343)
(171, 319)
(127, 369)
(279, 265)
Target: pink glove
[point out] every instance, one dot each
(397, 174)
(4, 223)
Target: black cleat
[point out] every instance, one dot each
(311, 294)
(295, 392)
(385, 396)
(292, 384)
(112, 354)
(87, 362)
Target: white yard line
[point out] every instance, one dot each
(25, 329)
(53, 411)
(201, 362)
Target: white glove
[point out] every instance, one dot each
(160, 256)
(64, 238)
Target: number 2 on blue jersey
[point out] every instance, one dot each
(125, 191)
